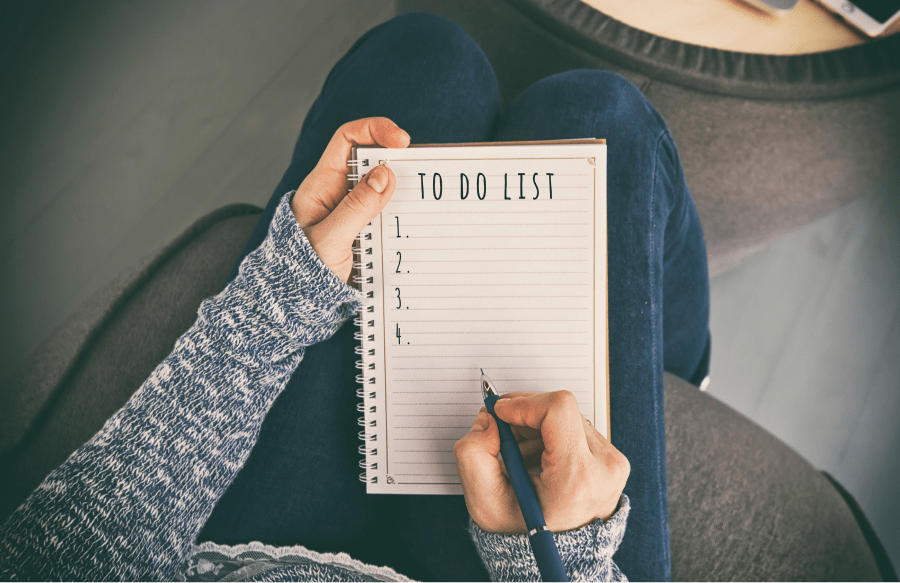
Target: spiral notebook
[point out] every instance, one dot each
(488, 256)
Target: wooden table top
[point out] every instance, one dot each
(735, 26)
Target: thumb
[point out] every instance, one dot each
(476, 453)
(357, 209)
(489, 496)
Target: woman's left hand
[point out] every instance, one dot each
(330, 216)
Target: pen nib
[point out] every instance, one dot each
(487, 387)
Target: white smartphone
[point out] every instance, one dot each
(773, 7)
(872, 17)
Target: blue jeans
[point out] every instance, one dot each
(300, 484)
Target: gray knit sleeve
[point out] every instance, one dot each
(587, 552)
(129, 503)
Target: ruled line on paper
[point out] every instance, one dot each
(501, 308)
(510, 188)
(416, 176)
(512, 320)
(529, 158)
(491, 249)
(513, 332)
(576, 392)
(512, 200)
(407, 225)
(492, 356)
(506, 237)
(498, 368)
(503, 273)
(489, 212)
(469, 297)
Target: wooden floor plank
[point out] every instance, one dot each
(805, 344)
(755, 309)
(868, 465)
(250, 156)
(834, 345)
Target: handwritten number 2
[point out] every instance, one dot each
(399, 303)
(399, 257)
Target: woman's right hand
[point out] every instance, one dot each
(581, 477)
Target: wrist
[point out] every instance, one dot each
(287, 277)
(586, 552)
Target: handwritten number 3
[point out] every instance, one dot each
(399, 303)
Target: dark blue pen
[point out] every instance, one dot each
(546, 555)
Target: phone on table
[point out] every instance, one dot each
(872, 17)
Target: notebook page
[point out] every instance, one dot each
(488, 257)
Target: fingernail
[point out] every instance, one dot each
(406, 135)
(378, 179)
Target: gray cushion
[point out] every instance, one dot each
(94, 361)
(742, 504)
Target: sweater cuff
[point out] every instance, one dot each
(586, 552)
(290, 286)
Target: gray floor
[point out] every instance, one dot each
(123, 122)
(806, 342)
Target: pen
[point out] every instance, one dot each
(546, 555)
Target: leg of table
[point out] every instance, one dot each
(658, 282)
(300, 484)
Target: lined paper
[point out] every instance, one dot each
(488, 257)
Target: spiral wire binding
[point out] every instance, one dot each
(363, 266)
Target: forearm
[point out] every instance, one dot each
(129, 503)
(587, 552)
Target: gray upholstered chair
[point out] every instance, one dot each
(743, 506)
(768, 142)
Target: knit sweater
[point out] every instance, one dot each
(129, 503)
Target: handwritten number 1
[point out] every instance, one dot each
(398, 226)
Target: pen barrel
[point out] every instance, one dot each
(546, 554)
(518, 473)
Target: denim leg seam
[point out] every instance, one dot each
(654, 347)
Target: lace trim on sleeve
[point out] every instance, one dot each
(213, 562)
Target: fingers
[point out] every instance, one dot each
(361, 205)
(371, 131)
(596, 442)
(488, 494)
(333, 236)
(326, 185)
(483, 439)
(556, 416)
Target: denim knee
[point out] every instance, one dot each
(587, 103)
(428, 40)
(611, 93)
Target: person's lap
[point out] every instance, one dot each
(300, 484)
